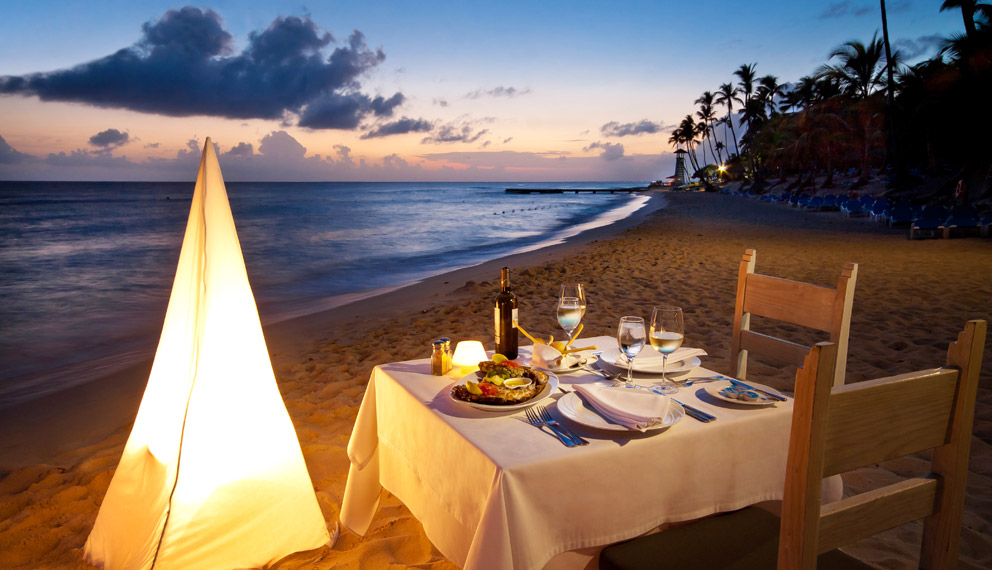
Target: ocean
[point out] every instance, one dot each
(86, 268)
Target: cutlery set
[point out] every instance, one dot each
(541, 417)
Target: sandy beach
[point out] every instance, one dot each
(58, 454)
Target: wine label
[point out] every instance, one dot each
(499, 331)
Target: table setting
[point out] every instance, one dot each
(494, 485)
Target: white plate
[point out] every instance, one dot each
(549, 388)
(713, 389)
(572, 407)
(615, 358)
(589, 361)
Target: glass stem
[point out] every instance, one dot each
(630, 366)
(664, 369)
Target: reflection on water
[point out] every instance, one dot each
(87, 267)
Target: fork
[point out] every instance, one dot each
(552, 423)
(534, 420)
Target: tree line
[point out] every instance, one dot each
(924, 126)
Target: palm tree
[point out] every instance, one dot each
(968, 8)
(891, 133)
(768, 90)
(707, 116)
(802, 95)
(858, 68)
(726, 95)
(746, 74)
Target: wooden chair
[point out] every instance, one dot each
(804, 304)
(836, 429)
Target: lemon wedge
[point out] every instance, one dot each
(499, 358)
(472, 387)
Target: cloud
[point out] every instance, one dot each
(394, 161)
(280, 157)
(184, 65)
(9, 155)
(615, 129)
(921, 46)
(508, 92)
(449, 133)
(110, 139)
(399, 127)
(611, 151)
(243, 150)
(440, 102)
(282, 146)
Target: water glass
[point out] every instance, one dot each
(630, 337)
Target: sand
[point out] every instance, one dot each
(912, 298)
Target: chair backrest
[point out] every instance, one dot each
(836, 429)
(804, 304)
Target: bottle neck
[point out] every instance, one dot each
(504, 279)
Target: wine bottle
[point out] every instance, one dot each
(506, 316)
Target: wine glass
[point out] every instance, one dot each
(630, 337)
(571, 307)
(667, 331)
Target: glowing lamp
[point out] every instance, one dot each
(468, 355)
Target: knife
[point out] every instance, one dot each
(759, 390)
(696, 414)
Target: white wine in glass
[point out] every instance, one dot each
(571, 306)
(666, 334)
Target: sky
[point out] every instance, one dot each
(397, 91)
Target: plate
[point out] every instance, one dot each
(549, 388)
(588, 361)
(614, 357)
(713, 389)
(572, 407)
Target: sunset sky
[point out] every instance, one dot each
(510, 90)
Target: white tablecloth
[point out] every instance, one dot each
(494, 492)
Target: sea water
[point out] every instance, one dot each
(86, 268)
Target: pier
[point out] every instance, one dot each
(575, 190)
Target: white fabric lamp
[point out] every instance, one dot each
(468, 355)
(212, 475)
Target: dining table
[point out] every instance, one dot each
(493, 491)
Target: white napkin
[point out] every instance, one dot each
(544, 356)
(650, 357)
(634, 409)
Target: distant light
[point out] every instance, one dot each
(722, 168)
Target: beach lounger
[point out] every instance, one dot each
(963, 220)
(878, 209)
(901, 214)
(804, 304)
(929, 223)
(835, 430)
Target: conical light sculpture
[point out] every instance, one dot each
(212, 475)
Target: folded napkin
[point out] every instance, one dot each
(650, 357)
(546, 356)
(634, 409)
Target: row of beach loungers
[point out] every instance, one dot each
(922, 221)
